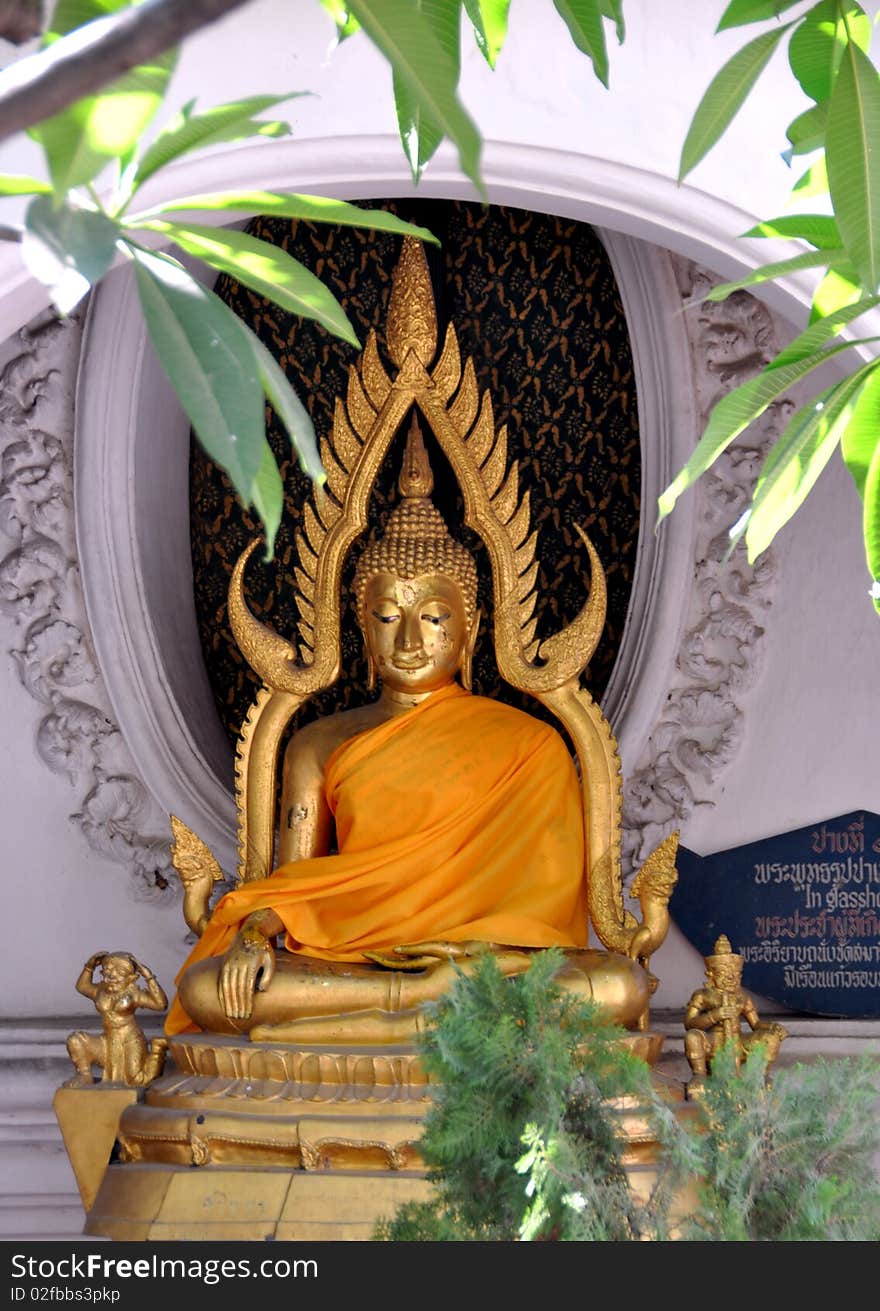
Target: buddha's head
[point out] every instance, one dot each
(416, 590)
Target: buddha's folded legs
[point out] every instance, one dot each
(328, 1001)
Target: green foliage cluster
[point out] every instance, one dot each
(72, 235)
(522, 1142)
(220, 370)
(794, 1158)
(421, 39)
(828, 45)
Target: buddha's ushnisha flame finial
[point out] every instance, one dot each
(412, 317)
(416, 540)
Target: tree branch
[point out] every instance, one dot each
(88, 58)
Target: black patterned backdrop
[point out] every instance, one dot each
(535, 304)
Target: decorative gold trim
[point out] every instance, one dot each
(314, 1139)
(366, 1070)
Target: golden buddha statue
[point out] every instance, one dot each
(458, 822)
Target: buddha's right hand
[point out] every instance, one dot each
(240, 969)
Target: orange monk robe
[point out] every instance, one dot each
(460, 819)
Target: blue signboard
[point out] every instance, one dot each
(803, 908)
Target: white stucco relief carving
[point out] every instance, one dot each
(719, 656)
(40, 591)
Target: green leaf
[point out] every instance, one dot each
(853, 163)
(862, 436)
(820, 230)
(16, 184)
(268, 497)
(840, 287)
(814, 337)
(254, 127)
(812, 183)
(584, 20)
(67, 15)
(346, 23)
(740, 12)
(207, 354)
(418, 58)
(264, 268)
(807, 132)
(797, 458)
(871, 524)
(290, 410)
(83, 138)
(733, 414)
(489, 21)
(778, 269)
(420, 133)
(817, 44)
(68, 250)
(724, 96)
(613, 9)
(188, 131)
(314, 209)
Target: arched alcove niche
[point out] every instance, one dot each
(131, 502)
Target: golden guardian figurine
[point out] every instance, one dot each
(715, 1013)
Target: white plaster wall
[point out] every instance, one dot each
(812, 722)
(66, 900)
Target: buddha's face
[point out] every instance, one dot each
(416, 630)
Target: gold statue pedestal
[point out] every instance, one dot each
(287, 1143)
(258, 1141)
(89, 1121)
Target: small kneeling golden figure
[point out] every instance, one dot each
(121, 1051)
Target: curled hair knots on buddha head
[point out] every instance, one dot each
(416, 540)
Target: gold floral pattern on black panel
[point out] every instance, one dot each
(535, 303)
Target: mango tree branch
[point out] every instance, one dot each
(88, 58)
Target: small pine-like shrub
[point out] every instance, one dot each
(793, 1157)
(519, 1142)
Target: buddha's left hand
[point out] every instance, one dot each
(239, 972)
